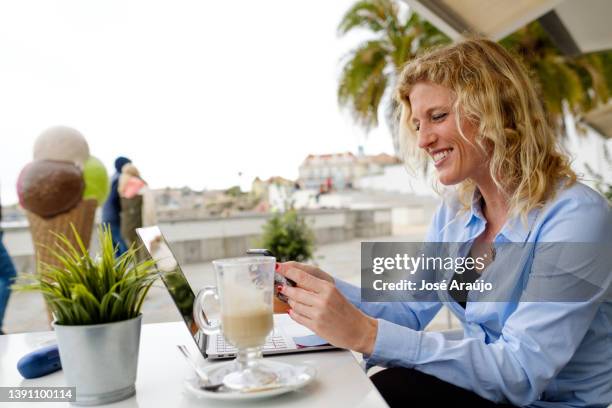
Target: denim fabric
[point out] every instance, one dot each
(118, 241)
(7, 274)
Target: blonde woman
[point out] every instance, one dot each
(472, 110)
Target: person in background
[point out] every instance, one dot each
(137, 204)
(7, 274)
(111, 212)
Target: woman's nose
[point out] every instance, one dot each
(426, 138)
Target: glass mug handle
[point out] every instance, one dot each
(199, 313)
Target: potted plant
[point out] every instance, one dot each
(288, 237)
(96, 304)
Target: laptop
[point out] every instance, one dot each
(287, 336)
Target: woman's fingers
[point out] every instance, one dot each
(304, 279)
(304, 321)
(301, 301)
(305, 267)
(303, 310)
(283, 269)
(299, 294)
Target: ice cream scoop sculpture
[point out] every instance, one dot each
(49, 188)
(96, 180)
(62, 143)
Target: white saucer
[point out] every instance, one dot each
(291, 377)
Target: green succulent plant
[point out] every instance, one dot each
(84, 290)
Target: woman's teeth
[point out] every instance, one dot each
(440, 155)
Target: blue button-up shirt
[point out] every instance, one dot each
(540, 354)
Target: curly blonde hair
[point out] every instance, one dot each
(492, 89)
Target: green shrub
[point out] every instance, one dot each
(288, 237)
(86, 290)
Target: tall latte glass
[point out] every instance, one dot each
(244, 292)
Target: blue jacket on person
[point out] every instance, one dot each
(112, 207)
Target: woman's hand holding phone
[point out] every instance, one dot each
(317, 304)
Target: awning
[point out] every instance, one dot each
(575, 26)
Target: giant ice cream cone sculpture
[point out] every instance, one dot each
(43, 230)
(62, 187)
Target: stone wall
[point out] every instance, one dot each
(201, 240)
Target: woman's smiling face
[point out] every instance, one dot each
(434, 120)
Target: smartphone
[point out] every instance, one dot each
(278, 279)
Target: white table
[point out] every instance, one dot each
(340, 380)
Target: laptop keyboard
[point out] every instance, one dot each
(274, 342)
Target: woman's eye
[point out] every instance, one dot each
(416, 128)
(438, 116)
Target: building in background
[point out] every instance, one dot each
(273, 194)
(341, 170)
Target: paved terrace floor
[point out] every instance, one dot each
(26, 311)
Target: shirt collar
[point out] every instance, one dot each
(475, 209)
(514, 230)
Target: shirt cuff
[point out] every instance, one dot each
(395, 345)
(351, 292)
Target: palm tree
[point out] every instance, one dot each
(370, 70)
(582, 82)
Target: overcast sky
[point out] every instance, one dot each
(193, 91)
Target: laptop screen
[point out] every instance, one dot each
(171, 273)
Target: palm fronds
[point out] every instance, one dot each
(369, 14)
(370, 70)
(364, 81)
(86, 290)
(582, 82)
